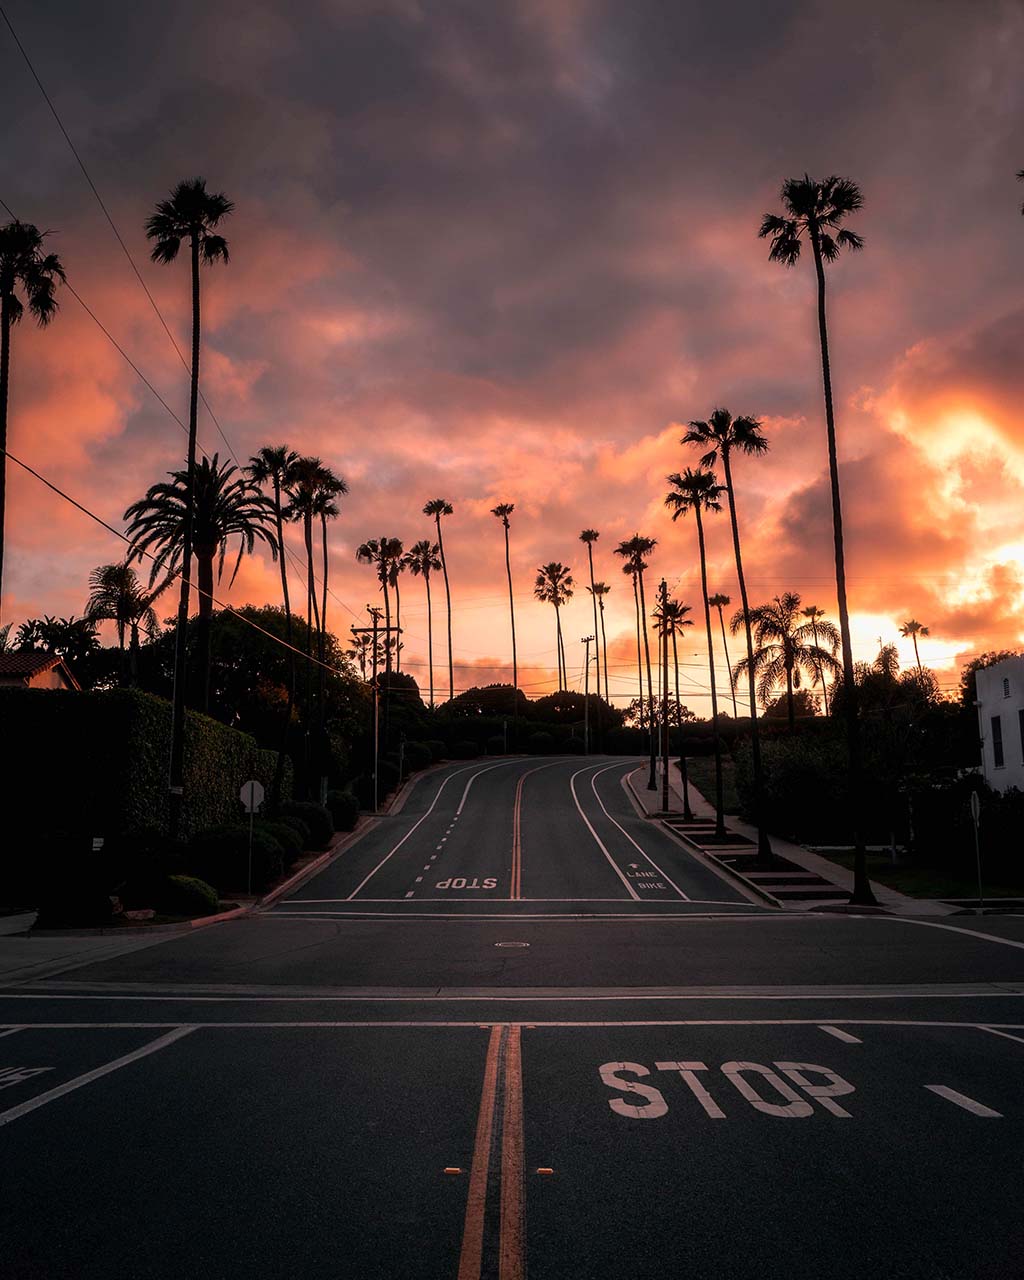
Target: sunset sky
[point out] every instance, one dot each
(500, 252)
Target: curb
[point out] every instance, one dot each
(339, 846)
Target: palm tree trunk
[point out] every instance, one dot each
(398, 625)
(322, 754)
(307, 533)
(515, 662)
(728, 665)
(821, 670)
(652, 784)
(430, 638)
(862, 893)
(593, 601)
(560, 650)
(448, 603)
(687, 811)
(604, 655)
(133, 656)
(639, 656)
(5, 376)
(719, 797)
(278, 779)
(916, 654)
(204, 574)
(789, 700)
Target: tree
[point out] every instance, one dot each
(382, 553)
(634, 550)
(720, 436)
(191, 214)
(422, 559)
(394, 576)
(719, 601)
(117, 596)
(72, 639)
(814, 616)
(698, 491)
(590, 536)
(24, 270)
(785, 648)
(599, 590)
(329, 487)
(816, 210)
(968, 688)
(913, 629)
(803, 702)
(502, 511)
(437, 508)
(672, 619)
(554, 585)
(175, 518)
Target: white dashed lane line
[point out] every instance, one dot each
(961, 1100)
(841, 1035)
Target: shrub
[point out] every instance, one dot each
(418, 756)
(465, 750)
(495, 745)
(344, 809)
(220, 856)
(286, 836)
(186, 896)
(573, 746)
(438, 750)
(300, 828)
(315, 816)
(540, 743)
(389, 778)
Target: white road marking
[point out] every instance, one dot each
(69, 1086)
(419, 879)
(823, 1094)
(688, 1071)
(1005, 1034)
(961, 1100)
(10, 1076)
(600, 843)
(699, 902)
(953, 928)
(593, 787)
(338, 1024)
(10, 1031)
(409, 894)
(793, 1108)
(841, 1035)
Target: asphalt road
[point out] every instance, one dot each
(517, 1029)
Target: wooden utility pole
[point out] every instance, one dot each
(664, 699)
(374, 631)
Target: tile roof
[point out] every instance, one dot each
(27, 663)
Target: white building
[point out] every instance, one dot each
(1000, 703)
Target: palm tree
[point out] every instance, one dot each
(913, 629)
(554, 585)
(224, 504)
(70, 638)
(814, 614)
(502, 511)
(325, 508)
(590, 536)
(394, 573)
(634, 549)
(698, 491)
(377, 552)
(192, 213)
(672, 618)
(361, 651)
(720, 436)
(117, 596)
(599, 590)
(422, 559)
(24, 269)
(719, 601)
(786, 648)
(815, 210)
(437, 508)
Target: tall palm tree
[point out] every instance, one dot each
(719, 601)
(437, 508)
(814, 616)
(634, 550)
(377, 552)
(117, 596)
(672, 618)
(394, 575)
(698, 491)
(630, 570)
(502, 511)
(590, 536)
(70, 638)
(223, 504)
(816, 209)
(720, 436)
(24, 269)
(786, 648)
(554, 585)
(191, 214)
(325, 508)
(422, 559)
(913, 629)
(599, 590)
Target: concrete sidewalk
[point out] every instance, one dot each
(24, 957)
(891, 899)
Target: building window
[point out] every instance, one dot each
(997, 742)
(1006, 688)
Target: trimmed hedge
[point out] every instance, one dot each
(344, 809)
(186, 896)
(315, 816)
(286, 836)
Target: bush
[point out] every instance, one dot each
(495, 745)
(344, 809)
(315, 816)
(220, 856)
(438, 750)
(573, 746)
(286, 836)
(540, 743)
(465, 750)
(300, 828)
(388, 777)
(186, 896)
(418, 756)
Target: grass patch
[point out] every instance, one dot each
(923, 882)
(701, 771)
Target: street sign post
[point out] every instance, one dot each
(976, 816)
(251, 796)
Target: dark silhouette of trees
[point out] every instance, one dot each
(814, 615)
(599, 590)
(718, 601)
(590, 536)
(502, 511)
(117, 596)
(913, 629)
(633, 550)
(437, 508)
(554, 585)
(422, 559)
(671, 618)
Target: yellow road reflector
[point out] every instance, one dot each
(452, 1169)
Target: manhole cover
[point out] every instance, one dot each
(511, 944)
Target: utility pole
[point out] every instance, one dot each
(586, 641)
(664, 697)
(376, 613)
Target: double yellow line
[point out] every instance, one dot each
(499, 1126)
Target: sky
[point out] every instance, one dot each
(505, 252)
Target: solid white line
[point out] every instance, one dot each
(600, 843)
(700, 902)
(841, 1035)
(1004, 1034)
(961, 1100)
(952, 928)
(556, 1025)
(23, 1108)
(593, 787)
(497, 996)
(10, 1031)
(502, 764)
(576, 917)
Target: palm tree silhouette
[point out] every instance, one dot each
(698, 491)
(502, 511)
(590, 536)
(437, 508)
(634, 549)
(913, 629)
(24, 269)
(816, 210)
(396, 551)
(786, 648)
(422, 559)
(554, 585)
(719, 601)
(672, 618)
(380, 552)
(599, 590)
(191, 214)
(117, 596)
(324, 507)
(814, 614)
(720, 436)
(70, 638)
(223, 504)
(303, 485)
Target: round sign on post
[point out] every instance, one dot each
(251, 795)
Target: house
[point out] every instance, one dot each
(1000, 703)
(30, 670)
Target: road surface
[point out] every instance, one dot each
(517, 1030)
